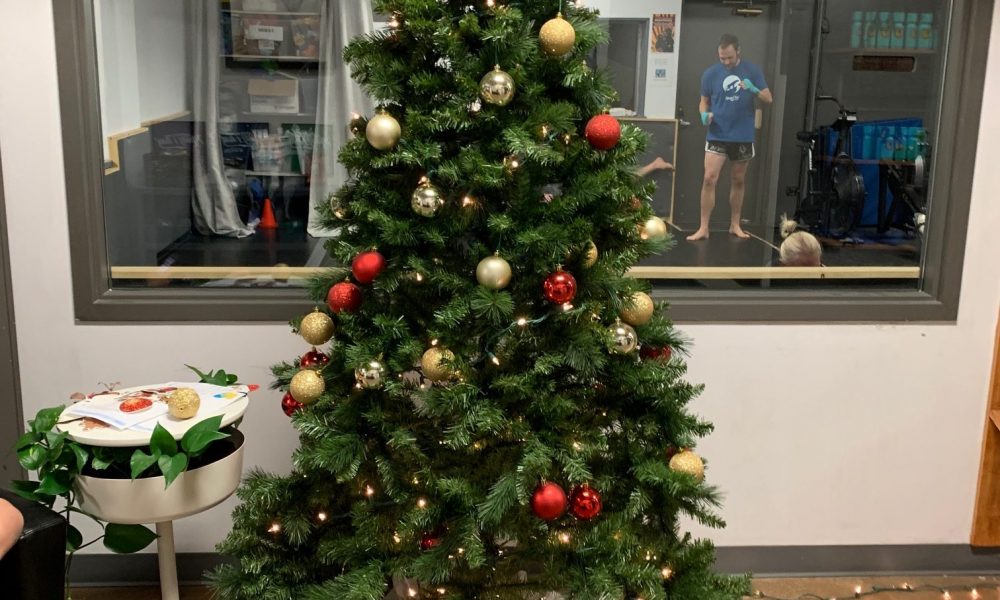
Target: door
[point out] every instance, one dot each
(10, 398)
(703, 23)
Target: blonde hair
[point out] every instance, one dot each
(800, 248)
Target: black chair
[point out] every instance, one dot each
(34, 569)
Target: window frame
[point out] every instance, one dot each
(937, 300)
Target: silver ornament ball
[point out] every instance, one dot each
(383, 131)
(624, 338)
(493, 272)
(371, 375)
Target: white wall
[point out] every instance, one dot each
(142, 54)
(853, 434)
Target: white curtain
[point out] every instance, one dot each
(339, 97)
(213, 201)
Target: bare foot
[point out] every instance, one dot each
(701, 234)
(738, 232)
(660, 164)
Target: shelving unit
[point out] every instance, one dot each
(986, 518)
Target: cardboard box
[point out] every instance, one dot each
(274, 95)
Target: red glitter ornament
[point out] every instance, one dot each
(344, 297)
(314, 359)
(367, 266)
(603, 132)
(431, 539)
(657, 353)
(290, 405)
(548, 502)
(560, 287)
(585, 502)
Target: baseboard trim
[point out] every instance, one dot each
(762, 561)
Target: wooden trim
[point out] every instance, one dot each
(986, 519)
(113, 141)
(165, 118)
(647, 272)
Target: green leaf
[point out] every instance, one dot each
(55, 441)
(28, 439)
(81, 456)
(74, 539)
(32, 457)
(46, 419)
(219, 377)
(200, 375)
(232, 378)
(197, 439)
(172, 466)
(126, 539)
(162, 442)
(55, 483)
(100, 464)
(25, 489)
(139, 462)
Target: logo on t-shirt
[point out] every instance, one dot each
(731, 85)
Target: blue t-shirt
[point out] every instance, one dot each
(732, 107)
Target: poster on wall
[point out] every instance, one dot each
(664, 28)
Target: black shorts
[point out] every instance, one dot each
(736, 151)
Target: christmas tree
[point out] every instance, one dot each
(497, 409)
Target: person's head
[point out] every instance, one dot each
(800, 249)
(729, 51)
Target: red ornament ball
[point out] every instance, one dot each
(314, 359)
(657, 353)
(290, 405)
(585, 503)
(344, 297)
(548, 502)
(367, 266)
(431, 539)
(603, 132)
(560, 287)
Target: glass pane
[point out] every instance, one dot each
(851, 172)
(222, 122)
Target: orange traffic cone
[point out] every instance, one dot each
(267, 220)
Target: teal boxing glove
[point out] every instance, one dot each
(748, 85)
(705, 118)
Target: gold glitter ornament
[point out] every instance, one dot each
(307, 386)
(497, 87)
(590, 255)
(316, 328)
(434, 364)
(557, 36)
(427, 200)
(654, 229)
(183, 403)
(690, 463)
(641, 310)
(493, 272)
(624, 339)
(383, 131)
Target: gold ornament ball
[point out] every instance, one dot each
(497, 87)
(654, 229)
(183, 403)
(383, 131)
(433, 364)
(590, 255)
(690, 463)
(493, 272)
(307, 386)
(641, 310)
(316, 328)
(371, 375)
(557, 36)
(427, 200)
(624, 338)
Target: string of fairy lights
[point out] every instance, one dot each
(950, 592)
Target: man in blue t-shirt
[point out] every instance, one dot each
(727, 107)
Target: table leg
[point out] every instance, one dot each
(167, 560)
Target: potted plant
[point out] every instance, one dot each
(122, 488)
